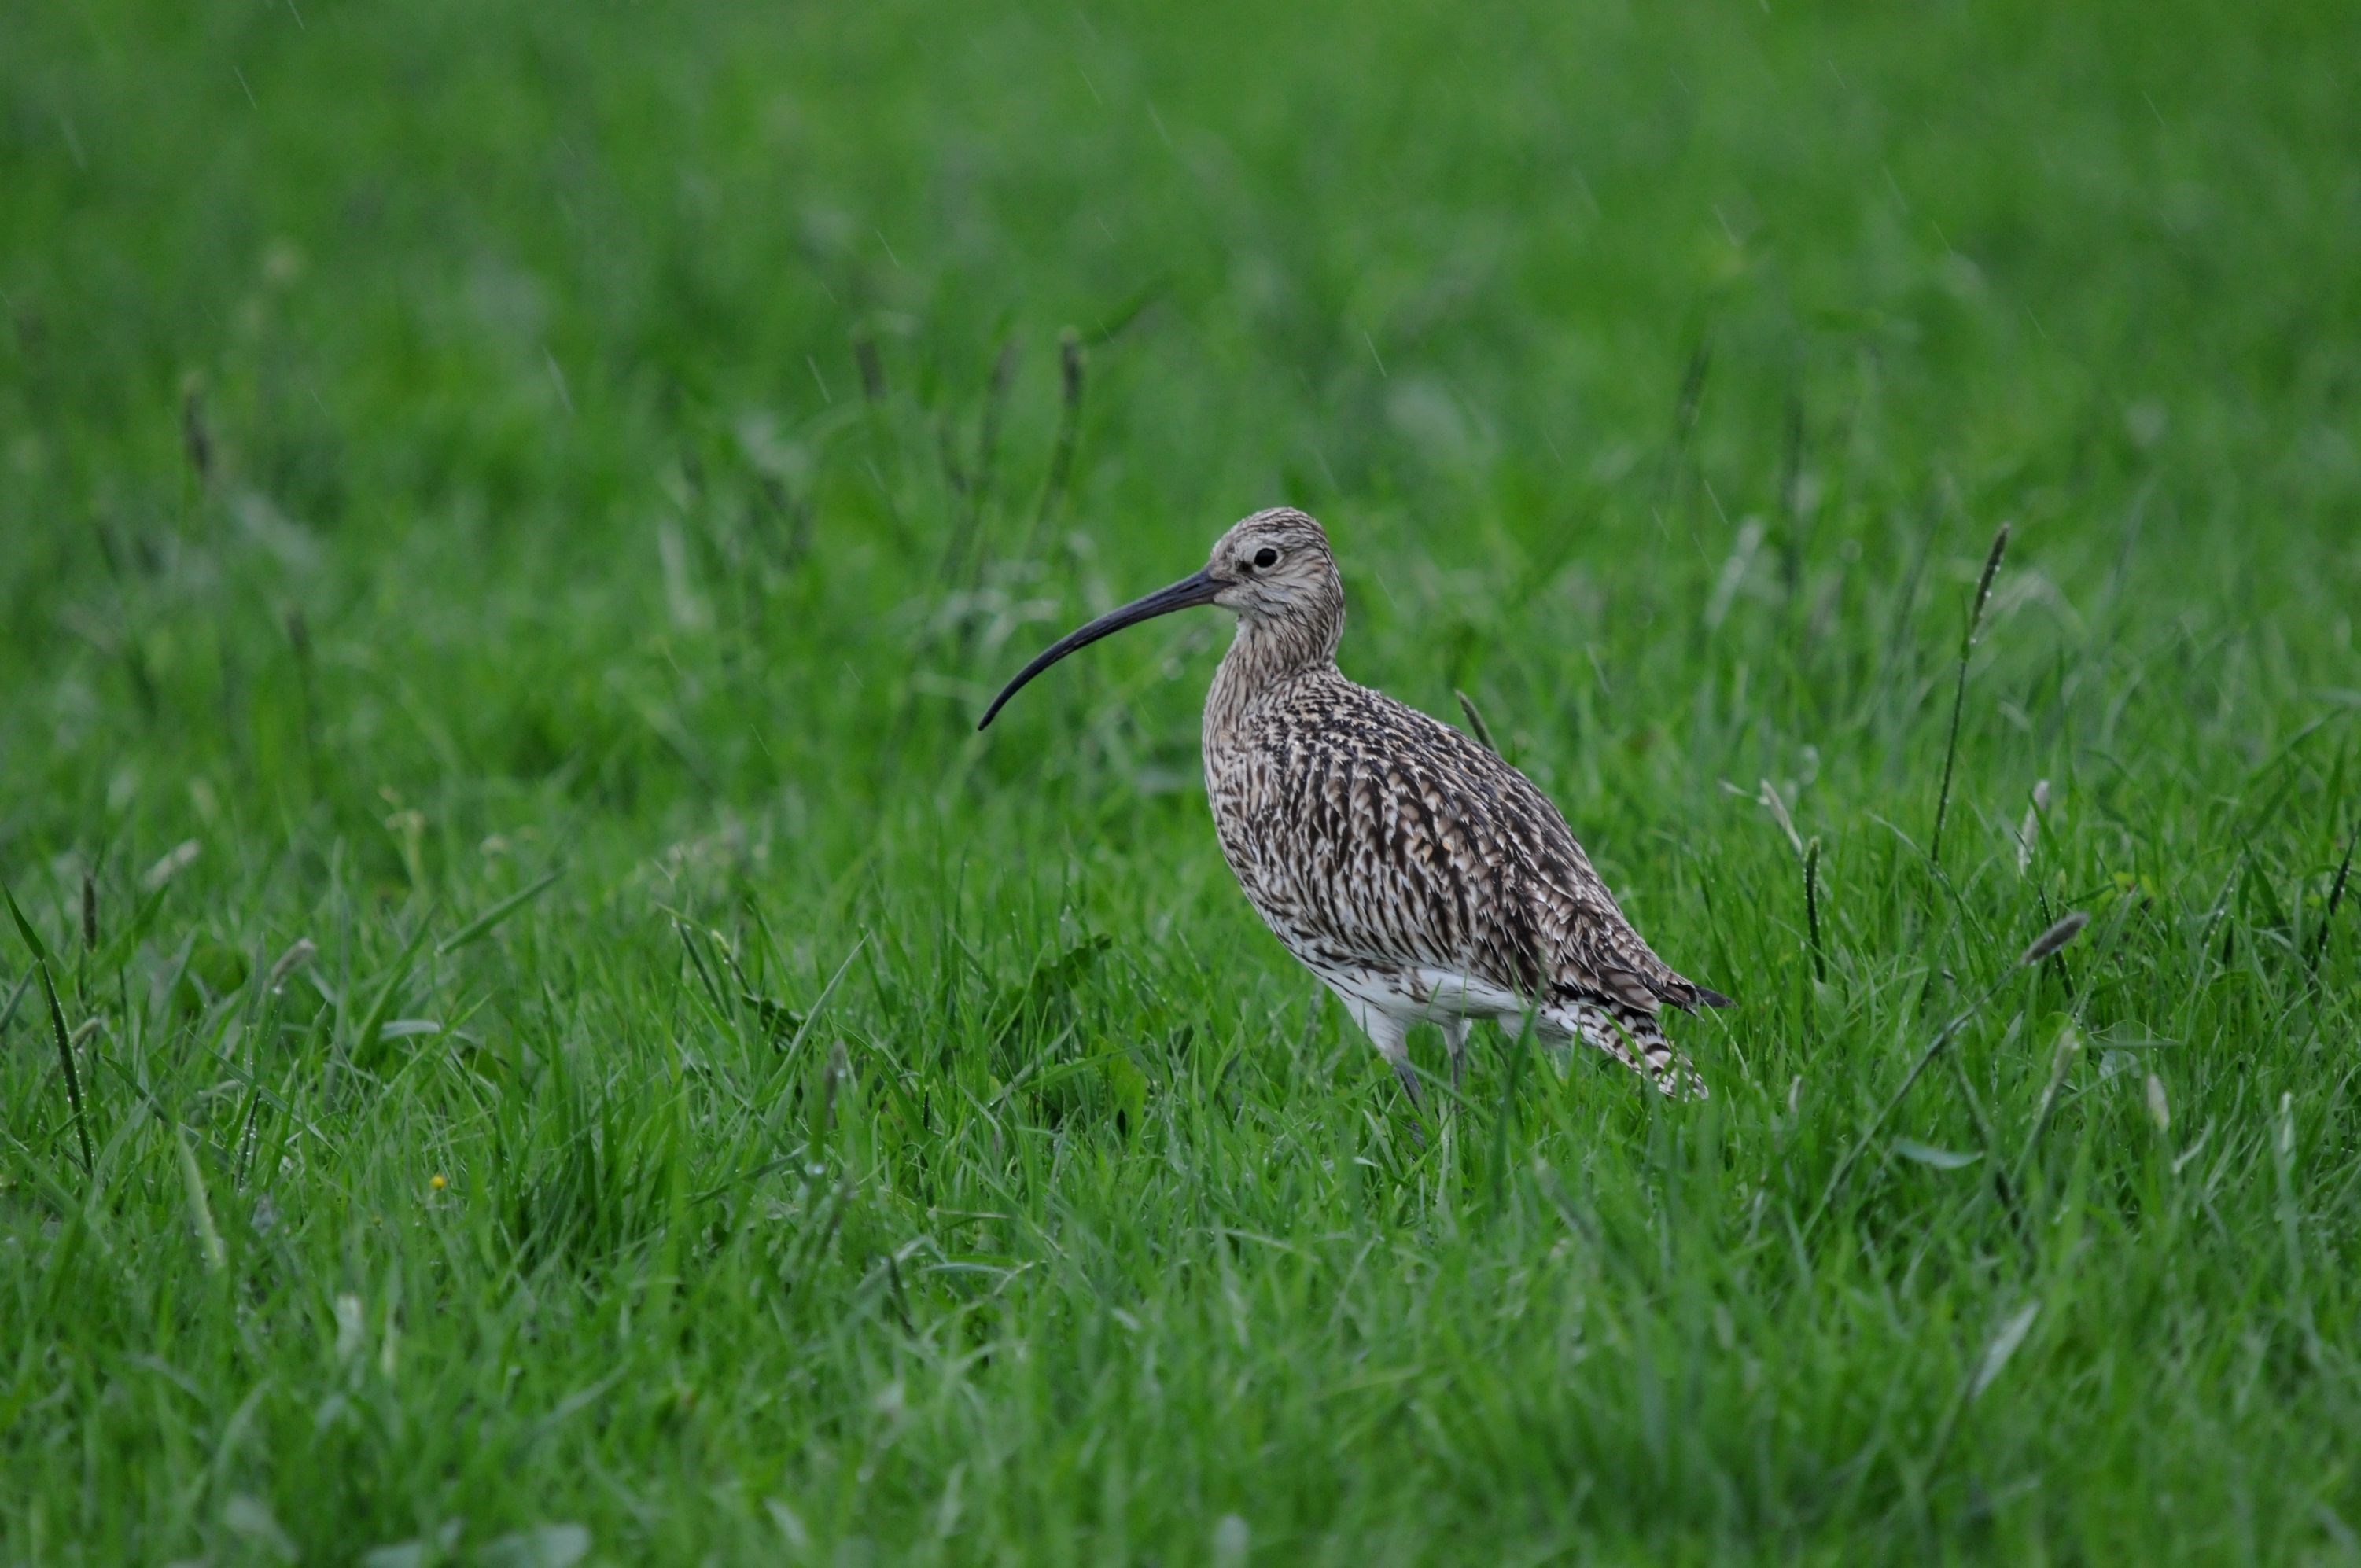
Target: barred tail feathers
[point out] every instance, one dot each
(1630, 1036)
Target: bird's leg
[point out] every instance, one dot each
(1409, 1076)
(1391, 1036)
(1455, 1035)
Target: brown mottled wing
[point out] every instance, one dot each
(1574, 919)
(1373, 835)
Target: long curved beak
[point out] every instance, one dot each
(1185, 594)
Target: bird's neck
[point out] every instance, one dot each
(1267, 656)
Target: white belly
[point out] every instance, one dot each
(1422, 995)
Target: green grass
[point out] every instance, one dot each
(533, 498)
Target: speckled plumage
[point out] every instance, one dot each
(1412, 870)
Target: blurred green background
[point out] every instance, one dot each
(602, 457)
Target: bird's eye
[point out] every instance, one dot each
(1266, 557)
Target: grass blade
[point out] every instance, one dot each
(2049, 942)
(1475, 721)
(482, 924)
(2335, 897)
(2004, 1345)
(200, 1209)
(1812, 911)
(1960, 689)
(1998, 1349)
(8, 1014)
(1072, 361)
(373, 1021)
(2069, 1046)
(24, 927)
(58, 1024)
(66, 1061)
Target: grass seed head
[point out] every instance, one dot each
(2060, 933)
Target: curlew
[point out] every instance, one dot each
(1412, 870)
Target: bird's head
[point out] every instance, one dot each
(1273, 570)
(1276, 565)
